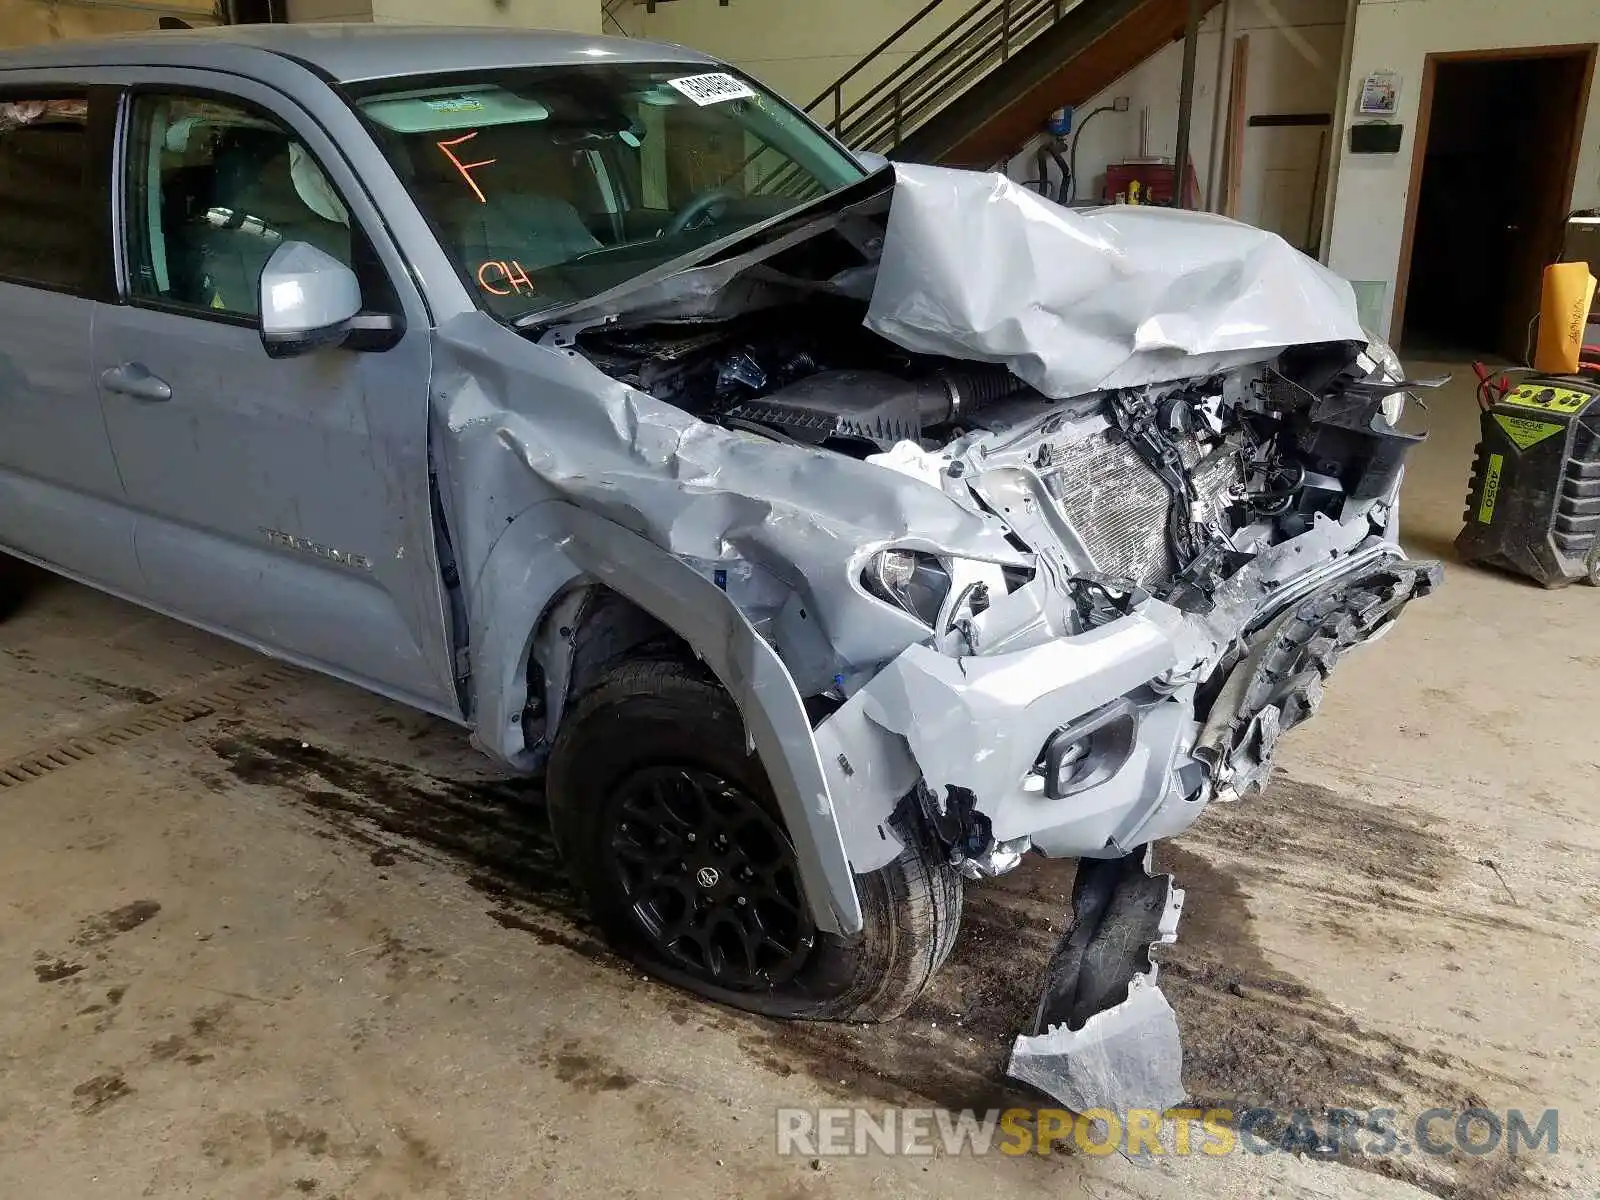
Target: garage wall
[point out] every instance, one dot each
(30, 22)
(1370, 201)
(1152, 88)
(796, 47)
(300, 11)
(1293, 67)
(583, 16)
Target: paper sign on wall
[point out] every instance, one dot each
(715, 88)
(1380, 94)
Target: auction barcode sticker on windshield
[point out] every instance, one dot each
(714, 88)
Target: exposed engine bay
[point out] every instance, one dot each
(1165, 488)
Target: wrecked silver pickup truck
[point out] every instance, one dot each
(832, 537)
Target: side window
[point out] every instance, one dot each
(45, 201)
(215, 187)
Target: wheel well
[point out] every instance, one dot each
(611, 627)
(584, 632)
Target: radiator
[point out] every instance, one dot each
(1119, 507)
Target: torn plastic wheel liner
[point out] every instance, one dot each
(1104, 1037)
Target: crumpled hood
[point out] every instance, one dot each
(976, 266)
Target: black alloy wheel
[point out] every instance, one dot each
(668, 824)
(710, 877)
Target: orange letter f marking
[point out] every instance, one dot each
(466, 169)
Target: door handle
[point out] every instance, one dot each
(136, 380)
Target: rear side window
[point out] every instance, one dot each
(45, 206)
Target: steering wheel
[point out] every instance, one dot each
(694, 212)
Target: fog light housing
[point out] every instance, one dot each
(1091, 750)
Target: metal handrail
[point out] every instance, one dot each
(836, 89)
(608, 12)
(960, 40)
(981, 37)
(885, 118)
(872, 55)
(947, 71)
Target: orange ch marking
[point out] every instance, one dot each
(511, 273)
(489, 287)
(519, 278)
(466, 169)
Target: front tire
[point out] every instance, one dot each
(669, 826)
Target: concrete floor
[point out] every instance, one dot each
(264, 935)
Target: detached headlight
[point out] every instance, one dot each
(1386, 360)
(1382, 354)
(910, 580)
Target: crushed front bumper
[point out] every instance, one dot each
(1151, 733)
(977, 739)
(977, 726)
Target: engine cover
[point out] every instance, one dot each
(877, 407)
(871, 406)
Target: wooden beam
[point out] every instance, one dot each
(1233, 151)
(1408, 230)
(1191, 49)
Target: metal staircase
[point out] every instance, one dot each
(975, 86)
(611, 19)
(947, 57)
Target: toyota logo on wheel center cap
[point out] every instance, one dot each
(707, 877)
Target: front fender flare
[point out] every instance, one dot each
(527, 569)
(774, 716)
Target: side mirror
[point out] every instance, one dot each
(309, 299)
(871, 161)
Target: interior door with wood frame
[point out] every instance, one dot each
(1538, 185)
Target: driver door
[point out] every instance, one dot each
(282, 502)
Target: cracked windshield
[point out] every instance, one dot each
(555, 184)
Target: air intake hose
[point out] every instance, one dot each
(967, 389)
